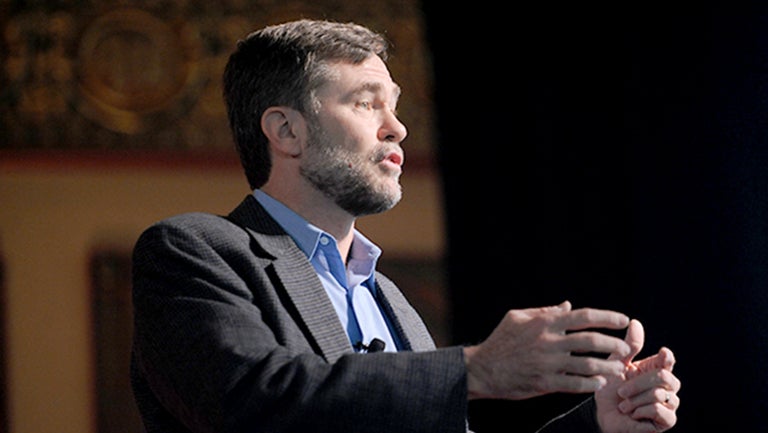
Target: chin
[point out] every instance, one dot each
(383, 203)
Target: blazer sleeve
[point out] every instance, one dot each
(217, 348)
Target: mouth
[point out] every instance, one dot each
(395, 158)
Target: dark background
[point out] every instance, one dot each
(616, 158)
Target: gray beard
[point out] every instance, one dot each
(342, 177)
(349, 187)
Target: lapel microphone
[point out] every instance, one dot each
(375, 345)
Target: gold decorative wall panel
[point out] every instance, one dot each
(146, 75)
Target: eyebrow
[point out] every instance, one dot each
(375, 87)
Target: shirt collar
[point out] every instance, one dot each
(307, 236)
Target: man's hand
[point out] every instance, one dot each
(530, 353)
(644, 399)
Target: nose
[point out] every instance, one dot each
(392, 129)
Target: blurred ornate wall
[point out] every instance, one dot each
(145, 75)
(111, 117)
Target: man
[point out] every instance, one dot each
(274, 319)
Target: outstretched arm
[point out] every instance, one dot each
(531, 353)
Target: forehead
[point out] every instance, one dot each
(371, 74)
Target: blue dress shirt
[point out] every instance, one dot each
(351, 288)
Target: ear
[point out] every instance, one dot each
(285, 128)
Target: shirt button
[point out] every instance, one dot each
(324, 240)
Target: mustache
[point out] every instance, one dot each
(385, 151)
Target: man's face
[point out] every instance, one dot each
(353, 153)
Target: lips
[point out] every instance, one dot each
(395, 158)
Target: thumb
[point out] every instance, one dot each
(664, 360)
(635, 338)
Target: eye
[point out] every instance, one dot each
(365, 105)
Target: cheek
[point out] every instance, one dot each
(354, 135)
(355, 143)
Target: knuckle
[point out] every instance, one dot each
(591, 365)
(594, 338)
(512, 315)
(543, 320)
(660, 394)
(589, 340)
(662, 376)
(586, 384)
(582, 315)
(589, 315)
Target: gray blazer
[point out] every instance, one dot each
(233, 332)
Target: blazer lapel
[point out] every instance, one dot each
(412, 331)
(308, 295)
(297, 277)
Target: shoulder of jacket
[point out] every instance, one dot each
(206, 227)
(194, 222)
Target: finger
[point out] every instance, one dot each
(650, 397)
(663, 379)
(666, 398)
(585, 318)
(589, 366)
(575, 384)
(564, 307)
(584, 342)
(668, 359)
(665, 360)
(644, 427)
(635, 339)
(661, 416)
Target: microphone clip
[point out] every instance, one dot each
(375, 345)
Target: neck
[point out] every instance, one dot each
(317, 209)
(332, 219)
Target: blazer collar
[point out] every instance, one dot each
(297, 277)
(299, 280)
